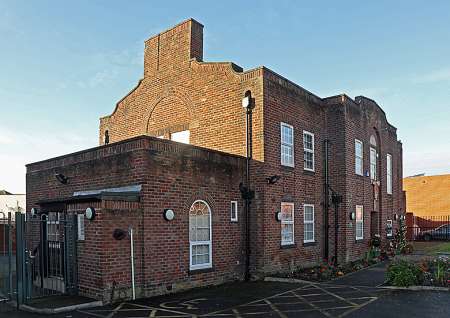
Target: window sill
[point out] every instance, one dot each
(309, 170)
(359, 240)
(306, 244)
(201, 270)
(287, 246)
(288, 168)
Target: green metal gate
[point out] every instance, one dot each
(46, 255)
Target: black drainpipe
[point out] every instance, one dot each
(326, 202)
(246, 191)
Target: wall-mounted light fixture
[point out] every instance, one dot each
(273, 179)
(33, 211)
(395, 216)
(90, 213)
(61, 178)
(168, 214)
(352, 215)
(278, 216)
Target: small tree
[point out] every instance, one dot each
(400, 236)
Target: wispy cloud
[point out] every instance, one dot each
(111, 65)
(100, 78)
(441, 75)
(19, 147)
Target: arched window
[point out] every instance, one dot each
(200, 235)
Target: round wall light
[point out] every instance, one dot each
(90, 213)
(278, 216)
(168, 214)
(352, 215)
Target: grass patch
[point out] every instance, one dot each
(440, 248)
(432, 248)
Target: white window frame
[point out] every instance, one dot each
(389, 173)
(194, 243)
(309, 151)
(373, 164)
(359, 158)
(308, 222)
(283, 243)
(360, 222)
(284, 143)
(234, 204)
(390, 232)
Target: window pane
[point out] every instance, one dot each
(307, 141)
(286, 212)
(309, 161)
(309, 214)
(199, 230)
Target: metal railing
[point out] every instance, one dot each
(7, 257)
(429, 228)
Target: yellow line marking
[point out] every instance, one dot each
(253, 301)
(314, 306)
(357, 308)
(337, 296)
(275, 309)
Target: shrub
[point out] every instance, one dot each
(404, 274)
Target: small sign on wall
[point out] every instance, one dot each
(80, 218)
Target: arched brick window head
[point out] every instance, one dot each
(200, 242)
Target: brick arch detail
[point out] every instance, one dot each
(200, 194)
(170, 92)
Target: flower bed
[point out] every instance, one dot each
(426, 272)
(328, 271)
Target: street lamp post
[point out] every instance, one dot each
(247, 104)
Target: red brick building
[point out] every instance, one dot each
(324, 163)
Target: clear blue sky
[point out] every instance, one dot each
(64, 64)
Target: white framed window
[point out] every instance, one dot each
(80, 223)
(308, 223)
(200, 235)
(359, 166)
(234, 211)
(308, 150)
(373, 163)
(389, 173)
(389, 229)
(181, 136)
(287, 145)
(287, 223)
(359, 228)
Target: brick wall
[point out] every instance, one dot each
(180, 92)
(172, 176)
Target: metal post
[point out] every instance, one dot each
(248, 194)
(10, 294)
(132, 262)
(20, 258)
(326, 204)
